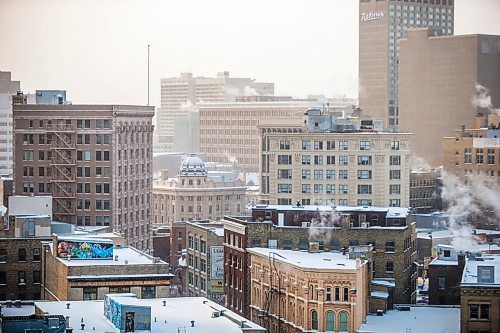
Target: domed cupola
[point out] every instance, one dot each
(192, 166)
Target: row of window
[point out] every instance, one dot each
(331, 145)
(331, 159)
(90, 293)
(21, 278)
(22, 253)
(98, 220)
(479, 156)
(197, 244)
(197, 282)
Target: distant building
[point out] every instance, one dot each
(294, 291)
(425, 191)
(389, 230)
(205, 260)
(86, 268)
(438, 78)
(7, 89)
(196, 194)
(334, 161)
(479, 294)
(445, 274)
(95, 161)
(382, 24)
(51, 97)
(180, 95)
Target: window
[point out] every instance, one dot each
(344, 320)
(346, 294)
(36, 254)
(441, 283)
(343, 189)
(343, 160)
(364, 189)
(21, 277)
(318, 188)
(394, 145)
(284, 159)
(364, 160)
(485, 274)
(330, 174)
(22, 255)
(306, 174)
(330, 160)
(337, 294)
(36, 277)
(306, 159)
(3, 255)
(3, 278)
(343, 174)
(284, 174)
(389, 267)
(306, 188)
(330, 188)
(343, 145)
(306, 145)
(318, 159)
(479, 156)
(119, 290)
(284, 188)
(394, 203)
(330, 145)
(394, 174)
(389, 247)
(364, 145)
(318, 174)
(491, 156)
(318, 145)
(479, 311)
(364, 202)
(394, 189)
(285, 144)
(330, 321)
(395, 160)
(328, 294)
(314, 320)
(364, 174)
(87, 155)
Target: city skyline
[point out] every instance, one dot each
(317, 43)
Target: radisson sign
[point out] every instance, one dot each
(371, 16)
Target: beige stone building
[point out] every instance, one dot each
(332, 161)
(205, 260)
(229, 133)
(480, 294)
(382, 23)
(295, 291)
(74, 269)
(473, 152)
(195, 195)
(95, 161)
(437, 86)
(180, 95)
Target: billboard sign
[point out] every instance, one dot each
(216, 262)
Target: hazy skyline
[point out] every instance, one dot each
(97, 49)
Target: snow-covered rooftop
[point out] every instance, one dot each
(392, 212)
(125, 256)
(386, 283)
(482, 271)
(422, 319)
(303, 259)
(178, 312)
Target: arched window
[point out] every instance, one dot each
(314, 320)
(344, 319)
(329, 321)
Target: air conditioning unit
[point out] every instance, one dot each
(306, 224)
(365, 224)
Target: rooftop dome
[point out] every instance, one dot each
(192, 166)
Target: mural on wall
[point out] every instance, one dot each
(84, 250)
(217, 262)
(112, 311)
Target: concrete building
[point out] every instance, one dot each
(445, 275)
(196, 194)
(334, 161)
(229, 133)
(425, 191)
(51, 97)
(95, 160)
(479, 294)
(69, 270)
(382, 23)
(7, 89)
(205, 260)
(295, 291)
(438, 92)
(180, 95)
(388, 230)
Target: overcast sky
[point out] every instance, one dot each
(97, 49)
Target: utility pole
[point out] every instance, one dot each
(148, 72)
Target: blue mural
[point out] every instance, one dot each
(113, 311)
(84, 250)
(126, 317)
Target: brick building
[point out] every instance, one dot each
(480, 294)
(80, 268)
(389, 230)
(295, 291)
(95, 161)
(328, 160)
(425, 191)
(445, 275)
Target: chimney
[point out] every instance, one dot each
(461, 260)
(163, 175)
(462, 127)
(313, 247)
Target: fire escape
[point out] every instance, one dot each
(273, 296)
(63, 165)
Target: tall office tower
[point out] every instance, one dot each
(7, 89)
(382, 24)
(332, 161)
(180, 95)
(95, 160)
(439, 90)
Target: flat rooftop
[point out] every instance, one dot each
(471, 275)
(307, 260)
(391, 211)
(423, 319)
(178, 312)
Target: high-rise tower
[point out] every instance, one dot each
(381, 24)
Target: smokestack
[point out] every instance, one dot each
(463, 130)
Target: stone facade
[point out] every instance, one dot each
(294, 296)
(334, 162)
(95, 160)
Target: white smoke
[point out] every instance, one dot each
(482, 99)
(250, 91)
(230, 158)
(418, 163)
(321, 228)
(466, 201)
